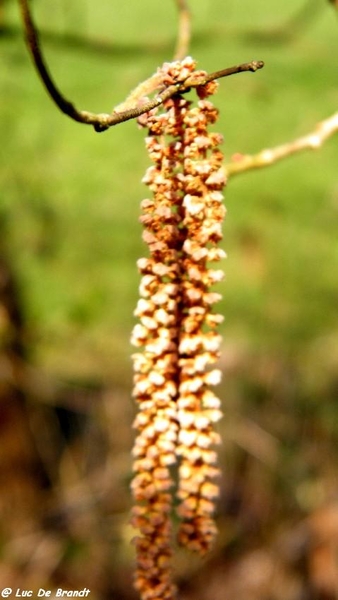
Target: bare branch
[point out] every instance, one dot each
(137, 102)
(34, 47)
(199, 78)
(269, 156)
(184, 30)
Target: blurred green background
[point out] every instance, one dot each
(70, 238)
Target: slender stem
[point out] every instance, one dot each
(197, 78)
(269, 156)
(253, 66)
(33, 44)
(184, 30)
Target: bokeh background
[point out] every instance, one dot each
(69, 241)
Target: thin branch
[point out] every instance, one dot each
(136, 104)
(184, 30)
(269, 156)
(201, 78)
(34, 47)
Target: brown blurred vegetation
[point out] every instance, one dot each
(64, 468)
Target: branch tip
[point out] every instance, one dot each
(257, 64)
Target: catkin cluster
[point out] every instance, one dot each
(176, 335)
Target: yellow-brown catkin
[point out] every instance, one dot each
(176, 334)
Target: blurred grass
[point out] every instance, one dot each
(70, 198)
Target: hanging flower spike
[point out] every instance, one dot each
(198, 408)
(176, 332)
(156, 368)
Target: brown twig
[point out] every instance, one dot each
(269, 156)
(184, 30)
(135, 105)
(197, 78)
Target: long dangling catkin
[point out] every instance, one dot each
(176, 333)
